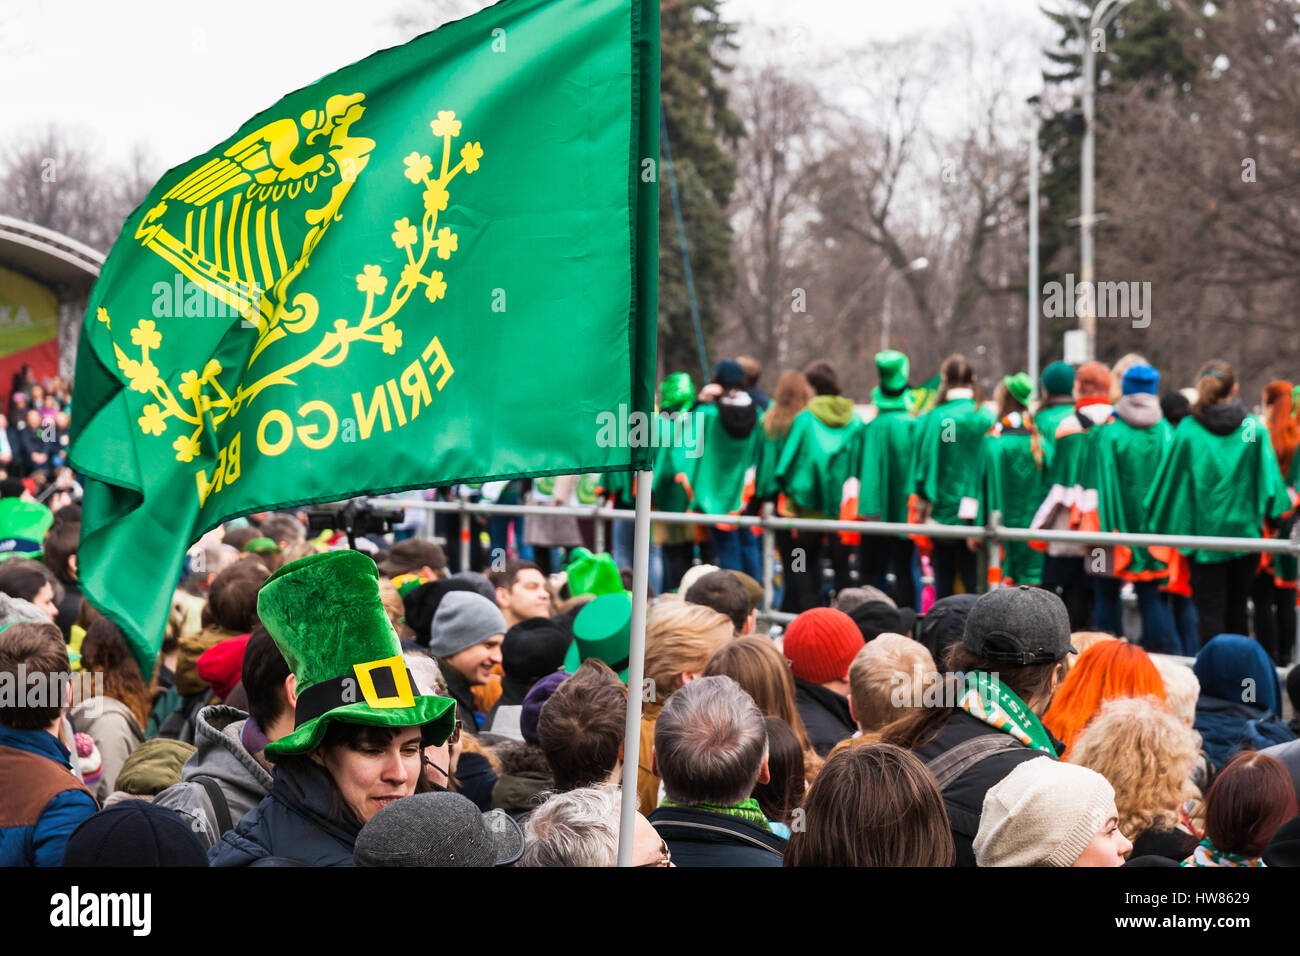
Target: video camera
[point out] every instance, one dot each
(355, 517)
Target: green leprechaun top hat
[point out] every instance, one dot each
(603, 628)
(324, 613)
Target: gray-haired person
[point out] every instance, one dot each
(580, 828)
(710, 751)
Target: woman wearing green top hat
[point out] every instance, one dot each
(360, 726)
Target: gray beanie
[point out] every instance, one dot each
(1043, 813)
(463, 619)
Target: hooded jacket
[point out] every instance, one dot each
(221, 757)
(293, 824)
(818, 457)
(719, 470)
(524, 775)
(1218, 477)
(115, 732)
(1241, 698)
(1115, 478)
(946, 460)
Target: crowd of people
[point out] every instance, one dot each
(1102, 449)
(34, 428)
(312, 704)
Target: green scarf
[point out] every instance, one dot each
(991, 701)
(747, 810)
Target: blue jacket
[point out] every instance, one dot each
(292, 826)
(34, 830)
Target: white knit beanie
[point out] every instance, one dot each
(1043, 813)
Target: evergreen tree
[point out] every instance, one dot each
(693, 41)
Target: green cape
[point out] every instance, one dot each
(1008, 480)
(946, 457)
(1211, 484)
(884, 468)
(817, 459)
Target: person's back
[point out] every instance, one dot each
(1009, 481)
(222, 781)
(818, 457)
(1011, 656)
(1216, 480)
(711, 750)
(42, 801)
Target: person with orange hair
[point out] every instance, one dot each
(1063, 571)
(1274, 590)
(1105, 671)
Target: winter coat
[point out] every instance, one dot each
(43, 801)
(703, 838)
(964, 797)
(294, 824)
(825, 714)
(1241, 698)
(647, 784)
(113, 727)
(222, 758)
(728, 441)
(524, 776)
(819, 456)
(1218, 477)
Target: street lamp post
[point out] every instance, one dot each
(1033, 244)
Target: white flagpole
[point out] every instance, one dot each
(635, 667)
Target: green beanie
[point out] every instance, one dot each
(1058, 379)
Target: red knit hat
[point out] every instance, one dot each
(820, 644)
(222, 665)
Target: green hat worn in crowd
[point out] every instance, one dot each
(603, 629)
(676, 393)
(262, 546)
(1058, 379)
(593, 573)
(324, 614)
(1020, 386)
(23, 525)
(893, 369)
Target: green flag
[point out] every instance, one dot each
(435, 265)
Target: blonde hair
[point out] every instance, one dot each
(1117, 376)
(681, 637)
(1181, 688)
(1147, 755)
(298, 549)
(395, 608)
(1082, 640)
(887, 664)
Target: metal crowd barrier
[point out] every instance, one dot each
(990, 535)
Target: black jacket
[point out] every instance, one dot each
(292, 825)
(1173, 844)
(825, 715)
(964, 798)
(458, 689)
(704, 838)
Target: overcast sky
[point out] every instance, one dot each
(181, 77)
